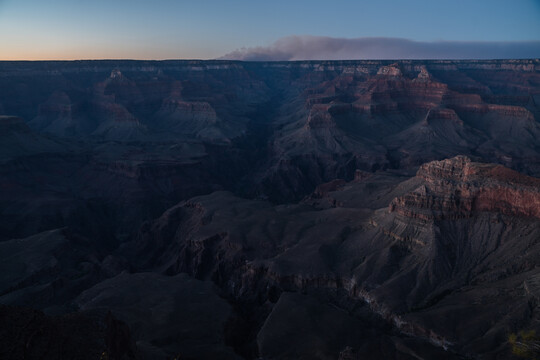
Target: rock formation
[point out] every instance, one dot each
(412, 262)
(275, 210)
(450, 190)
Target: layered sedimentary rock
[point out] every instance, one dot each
(459, 188)
(316, 115)
(414, 258)
(273, 210)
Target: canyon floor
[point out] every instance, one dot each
(268, 210)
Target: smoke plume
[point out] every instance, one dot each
(328, 48)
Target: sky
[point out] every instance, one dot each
(207, 29)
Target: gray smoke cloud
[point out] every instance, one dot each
(328, 48)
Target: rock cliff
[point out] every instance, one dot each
(459, 188)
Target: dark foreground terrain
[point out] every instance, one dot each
(294, 210)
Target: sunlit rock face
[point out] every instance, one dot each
(459, 188)
(275, 210)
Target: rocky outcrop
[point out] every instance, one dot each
(320, 117)
(459, 188)
(391, 70)
(423, 75)
(114, 120)
(410, 267)
(190, 119)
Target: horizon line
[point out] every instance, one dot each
(270, 61)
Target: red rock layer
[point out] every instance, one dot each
(459, 188)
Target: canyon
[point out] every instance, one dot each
(272, 210)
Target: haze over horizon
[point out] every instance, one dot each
(239, 29)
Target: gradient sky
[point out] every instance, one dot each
(203, 29)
